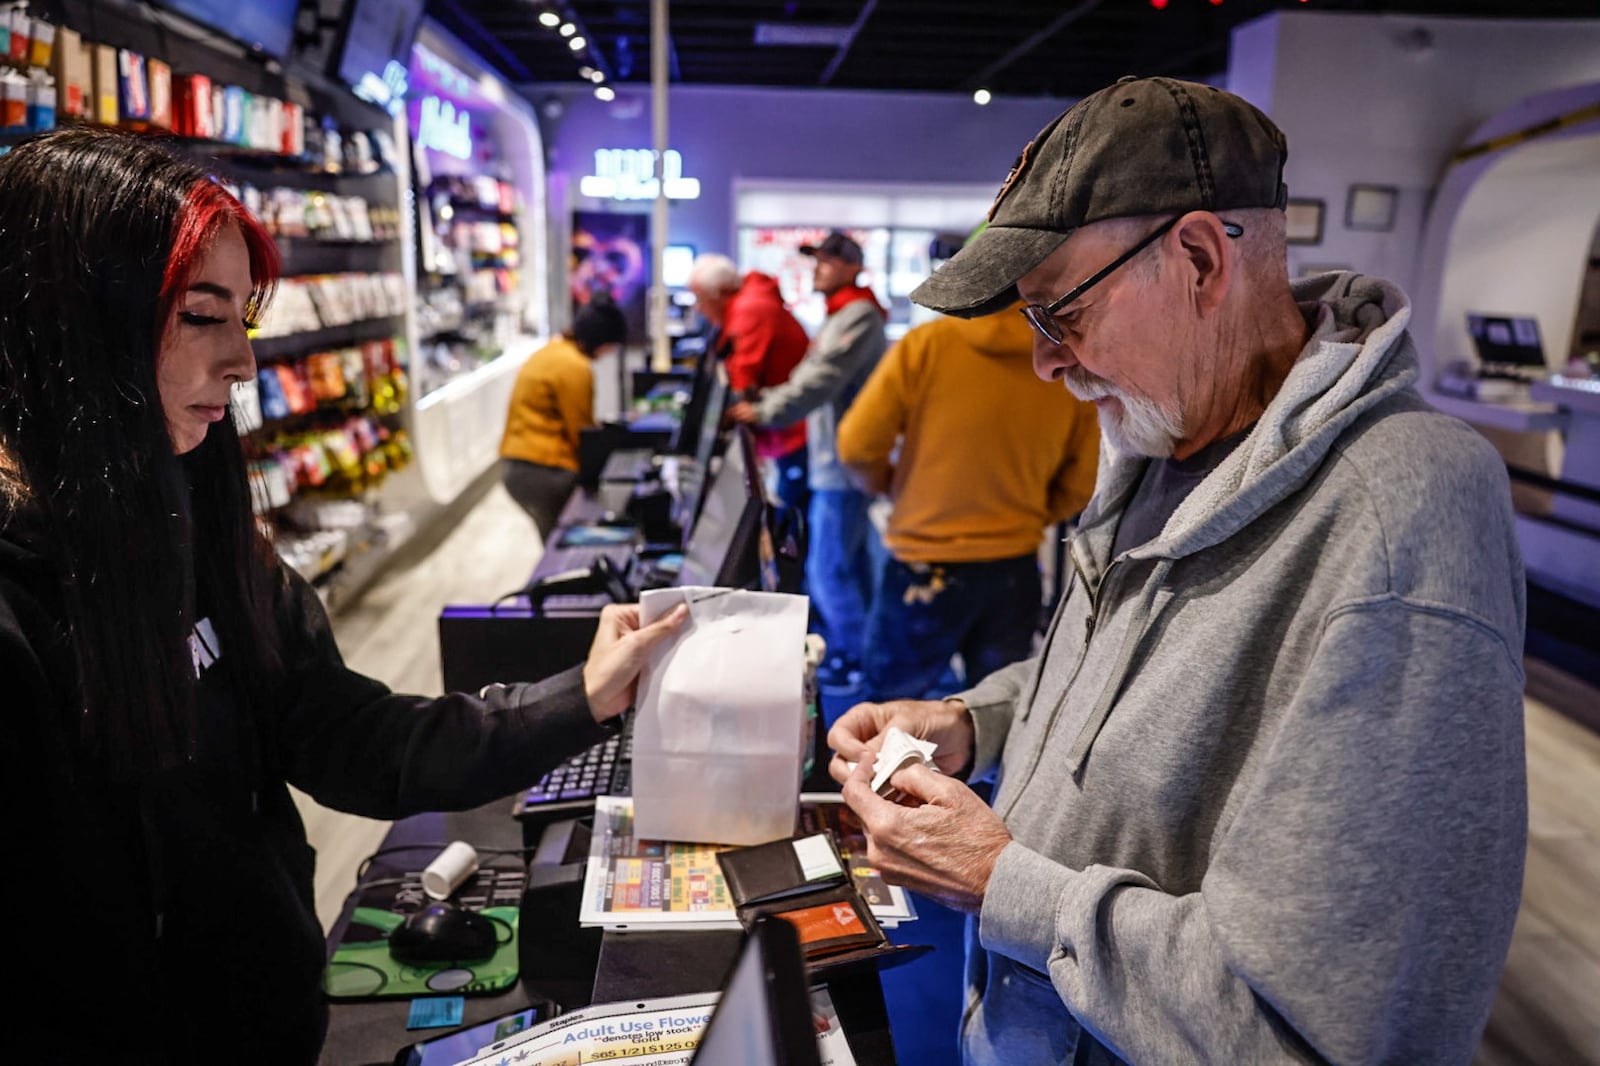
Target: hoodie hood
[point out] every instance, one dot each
(1358, 355)
(1002, 335)
(839, 299)
(759, 286)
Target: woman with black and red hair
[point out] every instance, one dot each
(163, 679)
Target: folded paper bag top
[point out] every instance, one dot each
(718, 741)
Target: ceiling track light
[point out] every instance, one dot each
(567, 29)
(605, 93)
(577, 44)
(549, 18)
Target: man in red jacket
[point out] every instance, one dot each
(759, 343)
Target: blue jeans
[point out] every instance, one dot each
(925, 613)
(839, 572)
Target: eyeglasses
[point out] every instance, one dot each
(1042, 317)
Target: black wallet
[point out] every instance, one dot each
(804, 882)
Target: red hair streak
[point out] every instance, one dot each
(206, 210)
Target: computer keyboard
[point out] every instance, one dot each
(628, 465)
(604, 770)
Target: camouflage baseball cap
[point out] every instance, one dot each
(1144, 146)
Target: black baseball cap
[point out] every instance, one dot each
(836, 246)
(1144, 146)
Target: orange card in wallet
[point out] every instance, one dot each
(835, 926)
(804, 882)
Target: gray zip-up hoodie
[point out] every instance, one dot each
(1266, 780)
(825, 383)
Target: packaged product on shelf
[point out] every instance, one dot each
(355, 376)
(41, 42)
(343, 453)
(272, 131)
(106, 85)
(293, 142)
(5, 35)
(231, 129)
(192, 102)
(21, 25)
(13, 102)
(133, 88)
(219, 110)
(332, 159)
(326, 373)
(384, 147)
(296, 388)
(358, 154)
(74, 81)
(274, 404)
(41, 102)
(246, 401)
(160, 76)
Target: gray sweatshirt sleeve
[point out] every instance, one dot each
(993, 702)
(1360, 902)
(853, 339)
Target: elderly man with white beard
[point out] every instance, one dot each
(1260, 797)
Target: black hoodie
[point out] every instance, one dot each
(177, 911)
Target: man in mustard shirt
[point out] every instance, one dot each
(551, 403)
(989, 456)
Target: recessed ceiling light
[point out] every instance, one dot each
(576, 43)
(605, 93)
(549, 18)
(597, 76)
(981, 97)
(568, 29)
(585, 72)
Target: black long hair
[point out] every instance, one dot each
(99, 232)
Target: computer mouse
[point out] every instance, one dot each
(443, 932)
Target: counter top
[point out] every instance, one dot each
(1579, 395)
(1519, 415)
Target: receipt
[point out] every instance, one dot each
(900, 749)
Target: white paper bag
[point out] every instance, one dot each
(718, 737)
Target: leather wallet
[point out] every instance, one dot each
(805, 883)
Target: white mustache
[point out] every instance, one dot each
(1088, 387)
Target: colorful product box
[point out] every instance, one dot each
(193, 116)
(133, 86)
(160, 93)
(105, 85)
(74, 75)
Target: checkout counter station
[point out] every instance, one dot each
(599, 553)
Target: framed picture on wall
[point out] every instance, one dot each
(1371, 208)
(1304, 221)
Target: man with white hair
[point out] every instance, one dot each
(759, 343)
(1262, 796)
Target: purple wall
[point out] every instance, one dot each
(801, 134)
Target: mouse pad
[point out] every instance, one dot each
(362, 967)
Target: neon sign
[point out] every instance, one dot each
(630, 174)
(443, 128)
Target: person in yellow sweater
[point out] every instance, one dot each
(979, 457)
(551, 403)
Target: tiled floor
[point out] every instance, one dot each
(1548, 1012)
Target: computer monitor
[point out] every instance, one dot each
(763, 1017)
(702, 412)
(725, 543)
(697, 439)
(1506, 340)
